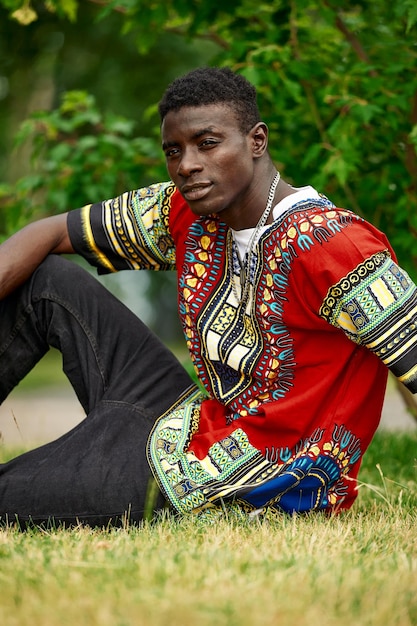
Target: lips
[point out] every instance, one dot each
(196, 191)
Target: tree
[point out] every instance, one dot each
(337, 86)
(85, 146)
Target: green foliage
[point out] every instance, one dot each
(78, 153)
(25, 13)
(337, 86)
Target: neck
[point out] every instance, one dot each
(248, 210)
(249, 218)
(283, 190)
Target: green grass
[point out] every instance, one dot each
(47, 373)
(358, 568)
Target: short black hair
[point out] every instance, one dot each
(213, 85)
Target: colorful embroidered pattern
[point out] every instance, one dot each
(244, 355)
(234, 471)
(136, 234)
(376, 305)
(278, 363)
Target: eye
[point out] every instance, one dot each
(171, 152)
(208, 143)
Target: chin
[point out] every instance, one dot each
(204, 211)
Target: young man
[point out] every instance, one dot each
(292, 311)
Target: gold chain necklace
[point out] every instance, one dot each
(245, 265)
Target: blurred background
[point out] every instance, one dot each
(80, 83)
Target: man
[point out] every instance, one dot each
(292, 310)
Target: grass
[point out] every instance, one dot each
(359, 568)
(47, 373)
(356, 569)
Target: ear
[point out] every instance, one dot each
(259, 138)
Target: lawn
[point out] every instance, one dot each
(359, 568)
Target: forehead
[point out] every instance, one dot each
(192, 121)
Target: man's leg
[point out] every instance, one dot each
(124, 378)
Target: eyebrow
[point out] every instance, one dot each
(199, 133)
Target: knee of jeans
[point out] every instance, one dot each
(52, 272)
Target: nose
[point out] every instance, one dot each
(189, 163)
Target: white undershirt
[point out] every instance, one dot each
(242, 237)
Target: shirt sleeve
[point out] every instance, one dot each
(127, 232)
(376, 305)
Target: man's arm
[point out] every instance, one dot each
(25, 250)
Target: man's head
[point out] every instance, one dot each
(215, 145)
(210, 85)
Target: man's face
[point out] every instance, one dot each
(209, 159)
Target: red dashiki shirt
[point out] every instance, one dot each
(294, 370)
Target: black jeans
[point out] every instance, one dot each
(124, 378)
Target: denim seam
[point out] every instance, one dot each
(87, 331)
(16, 328)
(138, 408)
